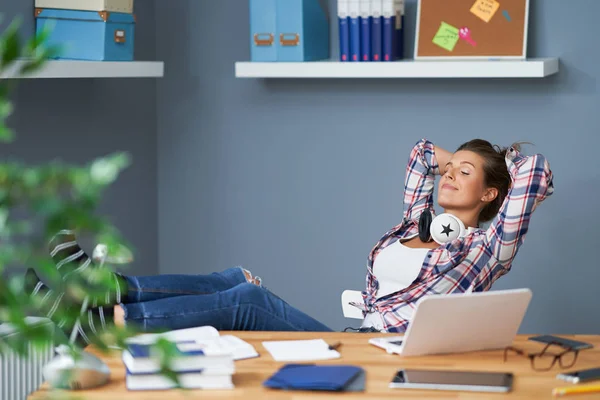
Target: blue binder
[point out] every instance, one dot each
(317, 377)
(355, 53)
(388, 37)
(389, 30)
(376, 30)
(263, 17)
(398, 38)
(398, 32)
(303, 30)
(365, 30)
(343, 30)
(289, 30)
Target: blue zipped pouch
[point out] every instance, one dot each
(336, 378)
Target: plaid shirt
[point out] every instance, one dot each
(468, 264)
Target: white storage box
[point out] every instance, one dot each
(122, 6)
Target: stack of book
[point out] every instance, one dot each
(371, 30)
(205, 360)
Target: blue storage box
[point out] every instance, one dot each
(289, 30)
(89, 35)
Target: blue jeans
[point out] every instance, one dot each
(224, 300)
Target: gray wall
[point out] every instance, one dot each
(297, 179)
(78, 120)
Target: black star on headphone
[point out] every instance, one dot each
(442, 229)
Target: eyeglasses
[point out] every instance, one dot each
(544, 360)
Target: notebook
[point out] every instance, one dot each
(188, 380)
(192, 356)
(317, 377)
(200, 348)
(300, 350)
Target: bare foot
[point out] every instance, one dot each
(250, 278)
(119, 315)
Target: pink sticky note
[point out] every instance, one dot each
(465, 34)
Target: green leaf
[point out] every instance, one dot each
(4, 212)
(47, 206)
(32, 66)
(12, 44)
(53, 51)
(22, 228)
(6, 109)
(167, 351)
(39, 39)
(6, 134)
(104, 171)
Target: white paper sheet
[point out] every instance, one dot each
(300, 350)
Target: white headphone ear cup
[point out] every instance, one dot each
(446, 227)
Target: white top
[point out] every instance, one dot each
(395, 268)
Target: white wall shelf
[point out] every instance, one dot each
(530, 68)
(91, 69)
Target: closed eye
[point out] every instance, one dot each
(464, 172)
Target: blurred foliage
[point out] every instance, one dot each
(54, 196)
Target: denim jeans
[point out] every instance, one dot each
(224, 300)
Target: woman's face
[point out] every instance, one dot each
(462, 186)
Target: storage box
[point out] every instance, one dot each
(123, 6)
(89, 35)
(289, 30)
(263, 17)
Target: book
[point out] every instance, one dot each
(398, 38)
(376, 30)
(387, 8)
(199, 348)
(139, 359)
(187, 380)
(365, 29)
(344, 30)
(354, 11)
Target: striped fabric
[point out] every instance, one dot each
(70, 258)
(469, 264)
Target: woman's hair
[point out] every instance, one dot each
(496, 173)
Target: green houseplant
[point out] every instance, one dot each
(36, 201)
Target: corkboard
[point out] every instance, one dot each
(504, 36)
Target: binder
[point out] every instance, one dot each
(387, 29)
(302, 30)
(376, 29)
(365, 29)
(344, 29)
(398, 38)
(354, 11)
(263, 30)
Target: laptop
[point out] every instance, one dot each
(458, 323)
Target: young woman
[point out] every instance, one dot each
(479, 183)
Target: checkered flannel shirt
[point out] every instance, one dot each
(469, 264)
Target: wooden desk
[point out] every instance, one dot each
(380, 368)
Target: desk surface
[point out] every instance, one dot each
(380, 368)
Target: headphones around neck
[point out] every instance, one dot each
(442, 229)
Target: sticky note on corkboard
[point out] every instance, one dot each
(485, 9)
(446, 37)
(497, 36)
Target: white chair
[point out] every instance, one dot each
(349, 297)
